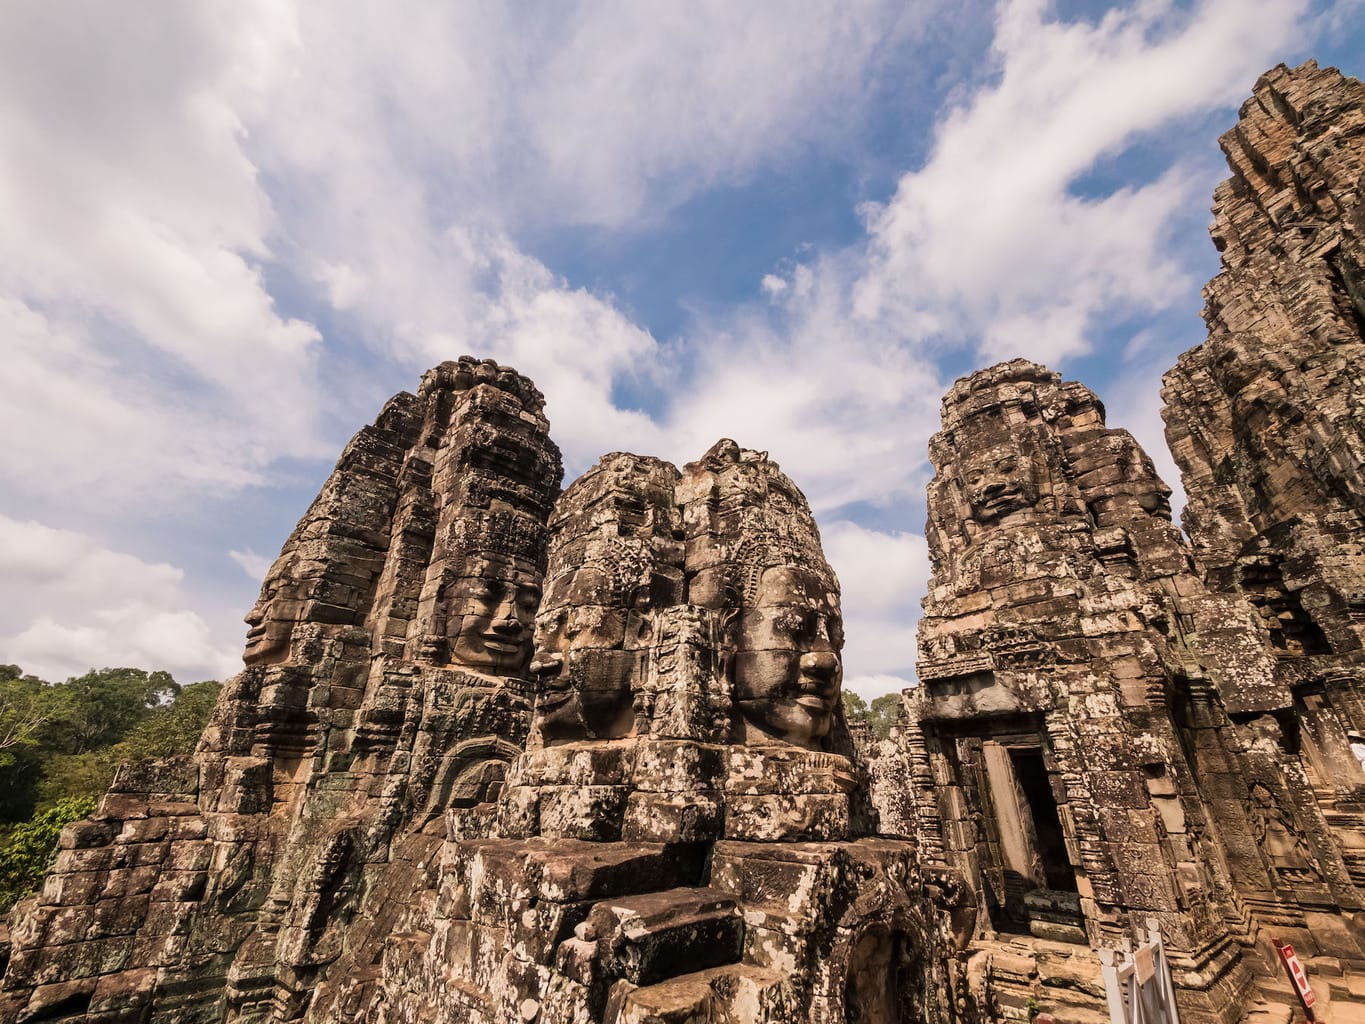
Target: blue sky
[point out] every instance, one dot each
(234, 229)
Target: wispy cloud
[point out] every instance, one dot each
(255, 566)
(231, 231)
(990, 243)
(70, 604)
(149, 349)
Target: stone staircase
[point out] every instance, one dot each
(667, 956)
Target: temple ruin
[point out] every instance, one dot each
(502, 753)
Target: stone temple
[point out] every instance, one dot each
(502, 752)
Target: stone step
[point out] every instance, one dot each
(731, 992)
(1269, 1013)
(648, 938)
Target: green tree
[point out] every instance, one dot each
(28, 709)
(855, 708)
(27, 705)
(103, 705)
(884, 713)
(170, 729)
(27, 855)
(173, 728)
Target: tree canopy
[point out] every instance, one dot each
(880, 716)
(60, 744)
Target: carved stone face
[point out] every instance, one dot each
(490, 618)
(283, 602)
(584, 675)
(787, 667)
(998, 481)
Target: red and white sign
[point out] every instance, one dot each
(1297, 975)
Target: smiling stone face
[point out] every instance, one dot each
(284, 603)
(583, 675)
(491, 613)
(998, 481)
(787, 669)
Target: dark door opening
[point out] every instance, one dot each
(1031, 774)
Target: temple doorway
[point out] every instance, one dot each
(1039, 882)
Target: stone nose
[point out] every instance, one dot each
(506, 620)
(820, 665)
(547, 664)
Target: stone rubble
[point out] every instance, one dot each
(502, 754)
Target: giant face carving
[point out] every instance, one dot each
(282, 604)
(787, 669)
(583, 673)
(491, 612)
(998, 480)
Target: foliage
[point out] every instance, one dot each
(28, 853)
(170, 729)
(27, 704)
(61, 743)
(884, 713)
(101, 707)
(855, 708)
(880, 716)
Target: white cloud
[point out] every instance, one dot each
(984, 247)
(644, 104)
(71, 605)
(255, 566)
(842, 406)
(131, 291)
(883, 577)
(988, 243)
(412, 148)
(773, 285)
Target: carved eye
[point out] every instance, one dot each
(528, 598)
(478, 589)
(1005, 465)
(485, 591)
(551, 625)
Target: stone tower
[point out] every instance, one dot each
(1267, 422)
(686, 836)
(1046, 762)
(385, 683)
(1116, 725)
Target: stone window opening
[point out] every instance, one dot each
(1291, 629)
(1047, 823)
